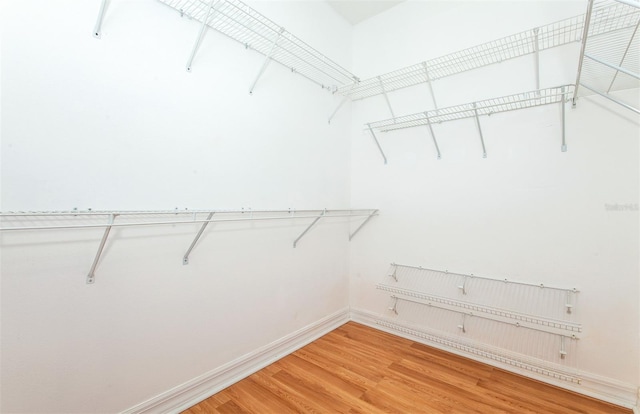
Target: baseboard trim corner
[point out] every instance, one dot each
(200, 388)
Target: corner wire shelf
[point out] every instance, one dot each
(520, 44)
(245, 25)
(12, 221)
(556, 95)
(610, 54)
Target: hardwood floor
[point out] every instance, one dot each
(357, 369)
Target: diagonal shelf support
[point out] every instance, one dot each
(91, 277)
(386, 98)
(335, 111)
(267, 59)
(203, 30)
(377, 143)
(536, 55)
(484, 150)
(185, 258)
(624, 55)
(563, 148)
(373, 213)
(295, 242)
(433, 136)
(585, 33)
(97, 29)
(433, 96)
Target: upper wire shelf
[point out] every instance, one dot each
(472, 110)
(245, 25)
(610, 56)
(520, 44)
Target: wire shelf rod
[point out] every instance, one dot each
(159, 223)
(164, 212)
(483, 277)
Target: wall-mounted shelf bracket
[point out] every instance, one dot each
(386, 98)
(461, 326)
(433, 95)
(463, 286)
(433, 136)
(185, 258)
(203, 29)
(97, 29)
(295, 242)
(393, 275)
(91, 277)
(536, 55)
(373, 135)
(335, 111)
(394, 305)
(475, 112)
(373, 213)
(267, 59)
(563, 148)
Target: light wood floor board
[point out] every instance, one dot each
(357, 369)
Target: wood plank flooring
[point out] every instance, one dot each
(357, 369)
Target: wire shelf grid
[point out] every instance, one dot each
(520, 44)
(611, 54)
(245, 25)
(486, 107)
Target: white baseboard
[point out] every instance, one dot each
(601, 388)
(192, 392)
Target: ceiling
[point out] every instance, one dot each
(355, 11)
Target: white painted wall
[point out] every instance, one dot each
(528, 212)
(117, 123)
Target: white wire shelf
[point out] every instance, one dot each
(484, 351)
(245, 25)
(520, 44)
(21, 221)
(471, 110)
(610, 56)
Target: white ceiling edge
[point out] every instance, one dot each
(356, 11)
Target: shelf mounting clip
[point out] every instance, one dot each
(91, 277)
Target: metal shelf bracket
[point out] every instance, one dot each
(97, 29)
(433, 136)
(386, 98)
(377, 143)
(484, 150)
(91, 277)
(295, 242)
(433, 96)
(536, 54)
(373, 213)
(562, 103)
(200, 36)
(185, 258)
(267, 59)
